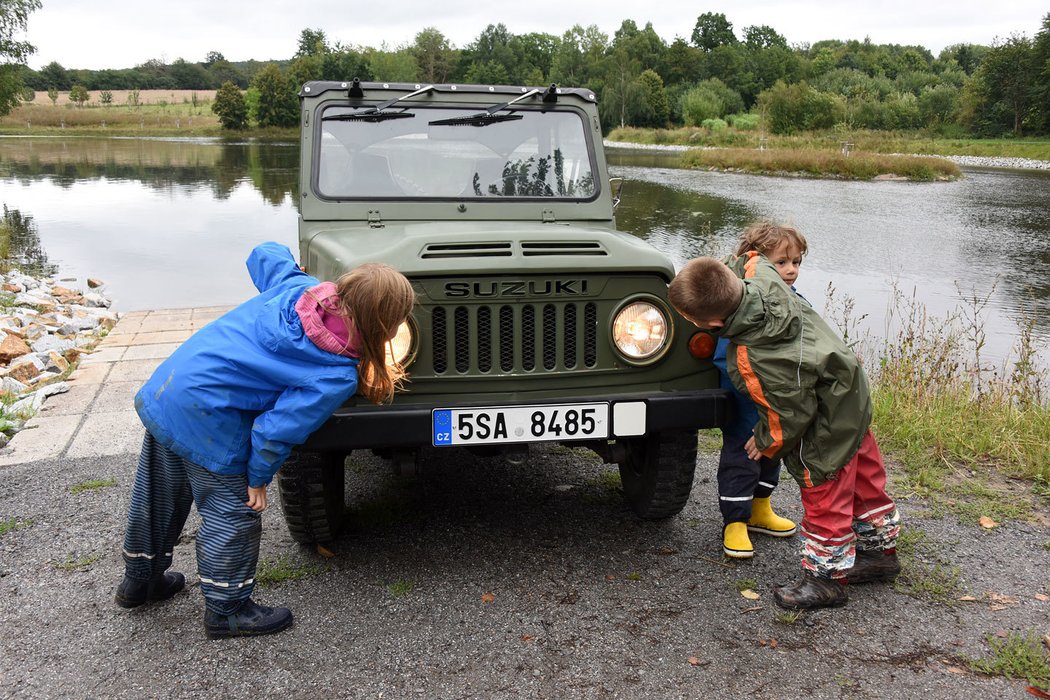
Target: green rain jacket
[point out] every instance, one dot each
(812, 396)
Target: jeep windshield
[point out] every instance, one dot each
(429, 152)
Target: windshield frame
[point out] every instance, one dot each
(584, 157)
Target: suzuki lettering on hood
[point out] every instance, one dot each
(517, 288)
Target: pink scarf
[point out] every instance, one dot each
(318, 310)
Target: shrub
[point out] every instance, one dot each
(744, 122)
(714, 124)
(711, 99)
(230, 107)
(797, 107)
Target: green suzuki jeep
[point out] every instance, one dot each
(537, 320)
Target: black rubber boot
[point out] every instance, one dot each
(132, 593)
(250, 621)
(874, 566)
(812, 592)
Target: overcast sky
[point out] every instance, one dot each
(125, 33)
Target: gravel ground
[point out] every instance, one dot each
(964, 161)
(484, 579)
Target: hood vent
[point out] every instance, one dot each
(467, 250)
(563, 248)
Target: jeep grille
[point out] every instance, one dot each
(509, 338)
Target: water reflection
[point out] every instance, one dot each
(942, 242)
(24, 251)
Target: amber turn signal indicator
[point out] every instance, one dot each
(702, 346)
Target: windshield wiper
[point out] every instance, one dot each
(378, 113)
(489, 116)
(367, 116)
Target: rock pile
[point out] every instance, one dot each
(46, 327)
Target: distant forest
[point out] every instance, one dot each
(717, 77)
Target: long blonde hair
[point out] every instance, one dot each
(377, 298)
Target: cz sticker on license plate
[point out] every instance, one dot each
(500, 424)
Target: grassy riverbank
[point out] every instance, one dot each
(973, 436)
(887, 142)
(854, 166)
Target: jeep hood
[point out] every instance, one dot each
(426, 249)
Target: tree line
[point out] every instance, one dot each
(716, 77)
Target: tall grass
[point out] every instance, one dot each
(855, 166)
(952, 418)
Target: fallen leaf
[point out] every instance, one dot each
(1046, 640)
(1042, 596)
(772, 644)
(996, 607)
(967, 599)
(666, 551)
(1032, 690)
(750, 594)
(325, 552)
(1003, 598)
(610, 577)
(488, 597)
(1002, 634)
(762, 642)
(987, 523)
(693, 661)
(527, 637)
(958, 670)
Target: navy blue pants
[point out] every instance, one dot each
(741, 479)
(227, 543)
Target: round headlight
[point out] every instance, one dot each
(398, 349)
(640, 330)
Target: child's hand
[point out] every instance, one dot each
(257, 498)
(751, 449)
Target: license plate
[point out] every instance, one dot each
(499, 424)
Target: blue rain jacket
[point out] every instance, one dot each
(246, 388)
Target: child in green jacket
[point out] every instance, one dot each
(814, 410)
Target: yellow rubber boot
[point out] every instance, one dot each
(735, 542)
(764, 520)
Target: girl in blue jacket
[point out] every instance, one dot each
(224, 411)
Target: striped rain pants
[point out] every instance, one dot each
(227, 543)
(742, 479)
(849, 511)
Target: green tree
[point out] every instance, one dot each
(278, 99)
(682, 63)
(621, 90)
(493, 57)
(230, 107)
(435, 57)
(578, 57)
(655, 106)
(312, 42)
(79, 94)
(14, 18)
(190, 76)
(1041, 83)
(398, 66)
(1001, 89)
(711, 31)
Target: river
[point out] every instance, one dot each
(167, 223)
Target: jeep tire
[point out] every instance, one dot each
(311, 485)
(657, 472)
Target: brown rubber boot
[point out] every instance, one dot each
(812, 592)
(875, 565)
